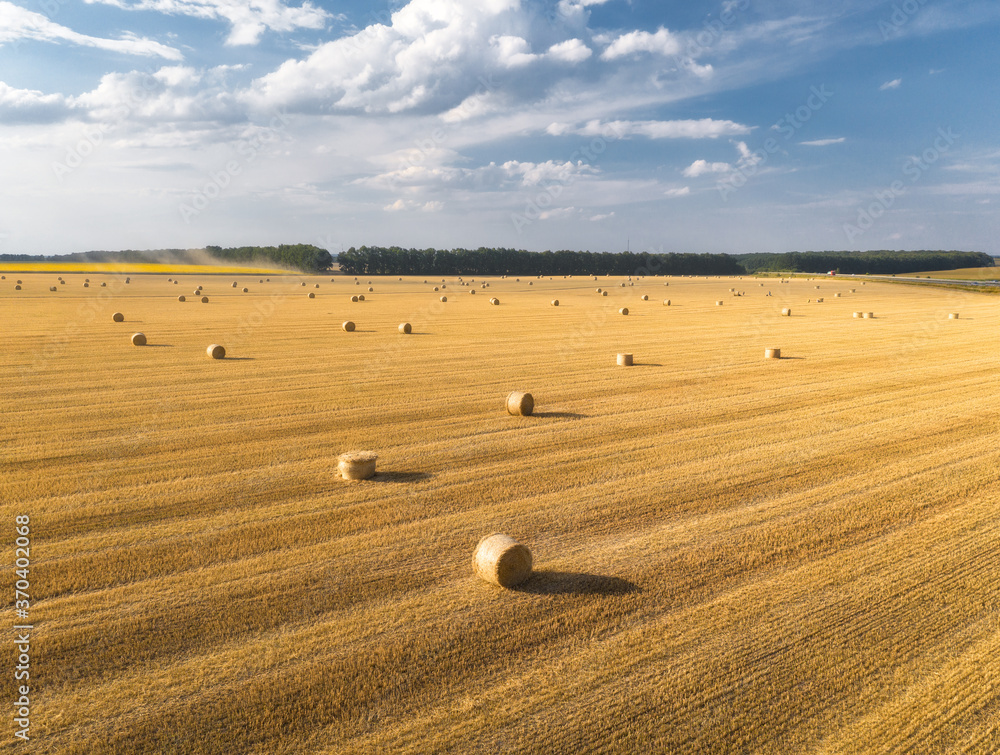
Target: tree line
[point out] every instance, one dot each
(377, 260)
(882, 262)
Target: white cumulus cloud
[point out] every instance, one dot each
(663, 42)
(701, 167)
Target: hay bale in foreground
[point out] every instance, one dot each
(520, 404)
(204, 300)
(215, 351)
(443, 298)
(181, 298)
(666, 302)
(623, 311)
(138, 339)
(495, 302)
(405, 327)
(624, 360)
(118, 317)
(357, 465)
(501, 560)
(772, 353)
(348, 326)
(786, 312)
(555, 302)
(644, 297)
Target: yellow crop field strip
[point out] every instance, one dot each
(965, 273)
(133, 268)
(731, 554)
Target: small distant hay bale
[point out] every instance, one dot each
(623, 285)
(354, 299)
(836, 295)
(623, 311)
(128, 280)
(819, 300)
(732, 290)
(357, 465)
(786, 312)
(361, 297)
(667, 284)
(555, 302)
(666, 302)
(197, 291)
(200, 288)
(118, 317)
(854, 290)
(86, 285)
(370, 290)
(817, 286)
(104, 284)
(316, 286)
(204, 300)
(443, 287)
(312, 295)
(17, 288)
(348, 326)
(857, 315)
(531, 283)
(443, 298)
(718, 303)
(303, 283)
(246, 290)
(953, 316)
(520, 404)
(472, 291)
(624, 360)
(500, 560)
(53, 288)
(644, 297)
(19, 282)
(215, 351)
(261, 280)
(405, 327)
(772, 353)
(181, 298)
(599, 291)
(495, 302)
(436, 288)
(176, 282)
(138, 339)
(86, 280)
(234, 284)
(604, 293)
(868, 315)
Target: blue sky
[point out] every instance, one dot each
(736, 126)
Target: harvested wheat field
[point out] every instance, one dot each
(729, 553)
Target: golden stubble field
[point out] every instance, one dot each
(732, 554)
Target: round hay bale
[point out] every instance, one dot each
(472, 291)
(868, 315)
(786, 312)
(495, 302)
(197, 291)
(436, 288)
(354, 299)
(86, 280)
(176, 282)
(406, 328)
(444, 298)
(303, 283)
(520, 404)
(316, 286)
(531, 283)
(128, 280)
(772, 353)
(234, 284)
(361, 297)
(666, 302)
(555, 302)
(857, 315)
(624, 360)
(312, 295)
(246, 290)
(204, 300)
(118, 317)
(86, 285)
(623, 311)
(604, 293)
(18, 282)
(501, 560)
(348, 326)
(953, 316)
(138, 339)
(181, 298)
(819, 300)
(836, 296)
(53, 288)
(644, 297)
(104, 285)
(718, 303)
(370, 290)
(17, 288)
(854, 290)
(357, 465)
(200, 288)
(623, 285)
(599, 291)
(261, 280)
(215, 351)
(443, 287)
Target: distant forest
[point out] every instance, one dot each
(376, 260)
(304, 257)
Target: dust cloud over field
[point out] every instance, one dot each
(731, 554)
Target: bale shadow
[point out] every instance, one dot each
(575, 583)
(401, 476)
(159, 346)
(646, 364)
(558, 415)
(239, 359)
